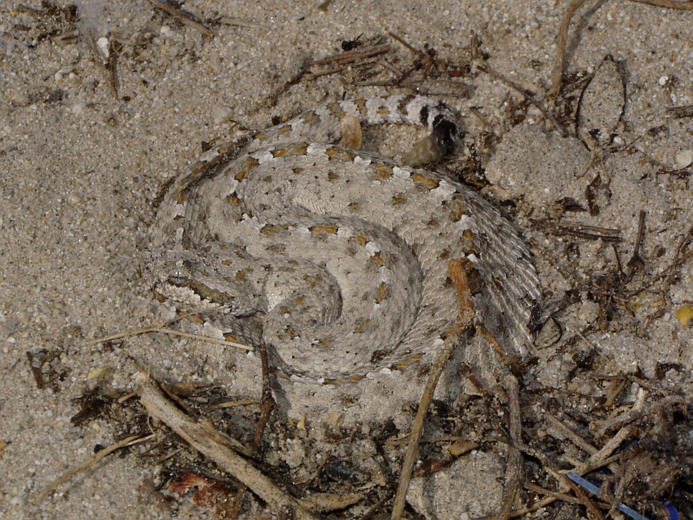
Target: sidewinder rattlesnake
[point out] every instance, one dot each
(338, 258)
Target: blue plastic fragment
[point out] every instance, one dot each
(595, 489)
(673, 513)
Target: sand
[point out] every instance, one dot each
(79, 169)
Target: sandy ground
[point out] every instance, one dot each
(79, 169)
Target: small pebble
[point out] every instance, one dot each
(102, 44)
(221, 114)
(663, 81)
(73, 80)
(78, 108)
(685, 315)
(684, 158)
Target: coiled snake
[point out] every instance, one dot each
(338, 258)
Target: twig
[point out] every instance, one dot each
(513, 471)
(237, 402)
(528, 95)
(682, 254)
(579, 230)
(107, 63)
(557, 73)
(417, 427)
(293, 80)
(681, 112)
(614, 390)
(636, 263)
(567, 432)
(172, 332)
(207, 442)
(595, 491)
(182, 16)
(35, 371)
(363, 57)
(91, 463)
(669, 4)
(268, 405)
(622, 434)
(555, 494)
(340, 68)
(239, 22)
(426, 57)
(584, 499)
(466, 313)
(414, 50)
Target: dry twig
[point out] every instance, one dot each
(268, 405)
(557, 73)
(91, 463)
(668, 4)
(459, 277)
(681, 112)
(528, 96)
(513, 472)
(184, 17)
(212, 444)
(106, 63)
(172, 332)
(578, 229)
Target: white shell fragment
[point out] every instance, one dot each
(684, 158)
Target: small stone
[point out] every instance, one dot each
(685, 315)
(461, 447)
(98, 373)
(549, 334)
(103, 45)
(221, 114)
(334, 420)
(684, 158)
(73, 80)
(78, 108)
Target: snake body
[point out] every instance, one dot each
(338, 257)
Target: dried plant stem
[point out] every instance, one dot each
(182, 16)
(668, 4)
(557, 72)
(172, 332)
(90, 463)
(459, 278)
(211, 444)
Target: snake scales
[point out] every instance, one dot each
(337, 258)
